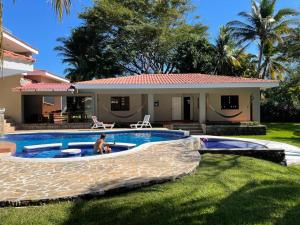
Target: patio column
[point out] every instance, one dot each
(95, 105)
(151, 106)
(202, 107)
(256, 105)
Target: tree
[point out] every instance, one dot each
(291, 46)
(195, 56)
(282, 103)
(275, 64)
(226, 57)
(87, 55)
(143, 36)
(227, 53)
(265, 26)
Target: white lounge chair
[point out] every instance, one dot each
(98, 124)
(145, 123)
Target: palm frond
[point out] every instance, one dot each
(61, 7)
(282, 13)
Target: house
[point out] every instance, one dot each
(177, 97)
(17, 59)
(31, 96)
(18, 70)
(168, 98)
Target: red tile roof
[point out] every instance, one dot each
(16, 56)
(45, 87)
(192, 78)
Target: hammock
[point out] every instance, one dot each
(225, 116)
(121, 116)
(221, 114)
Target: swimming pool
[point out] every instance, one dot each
(219, 143)
(136, 137)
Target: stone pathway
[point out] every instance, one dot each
(24, 181)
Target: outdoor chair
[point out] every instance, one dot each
(142, 124)
(98, 124)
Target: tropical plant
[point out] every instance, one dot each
(282, 103)
(291, 45)
(195, 56)
(263, 25)
(227, 53)
(87, 56)
(143, 36)
(275, 64)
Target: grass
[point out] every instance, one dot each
(282, 132)
(224, 190)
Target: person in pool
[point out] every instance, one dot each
(100, 146)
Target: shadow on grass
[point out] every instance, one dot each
(255, 202)
(297, 133)
(259, 203)
(140, 207)
(290, 217)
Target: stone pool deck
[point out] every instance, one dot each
(35, 181)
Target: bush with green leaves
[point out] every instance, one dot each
(282, 103)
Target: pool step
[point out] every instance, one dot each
(193, 128)
(9, 125)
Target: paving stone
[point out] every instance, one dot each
(24, 182)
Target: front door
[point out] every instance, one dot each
(187, 108)
(176, 108)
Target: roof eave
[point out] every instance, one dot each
(20, 42)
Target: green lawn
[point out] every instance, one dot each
(282, 132)
(224, 190)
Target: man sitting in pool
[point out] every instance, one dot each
(100, 146)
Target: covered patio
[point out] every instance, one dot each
(199, 106)
(54, 103)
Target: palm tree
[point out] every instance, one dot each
(264, 25)
(87, 55)
(291, 46)
(59, 6)
(227, 53)
(275, 64)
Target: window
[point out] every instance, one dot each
(119, 103)
(229, 102)
(50, 100)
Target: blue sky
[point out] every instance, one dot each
(34, 21)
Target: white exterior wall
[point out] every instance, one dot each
(11, 67)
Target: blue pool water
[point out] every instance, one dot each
(56, 153)
(230, 144)
(134, 137)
